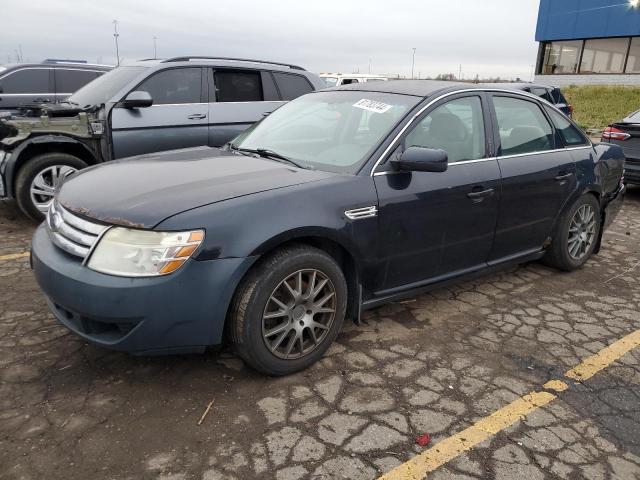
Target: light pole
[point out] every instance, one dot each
(155, 47)
(413, 61)
(116, 35)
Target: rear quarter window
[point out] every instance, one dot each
(571, 136)
(292, 86)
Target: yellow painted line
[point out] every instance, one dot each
(419, 466)
(448, 449)
(14, 256)
(604, 357)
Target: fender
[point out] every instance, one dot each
(10, 168)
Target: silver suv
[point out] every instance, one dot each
(144, 107)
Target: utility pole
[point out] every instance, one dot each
(116, 35)
(413, 61)
(155, 47)
(460, 72)
(369, 66)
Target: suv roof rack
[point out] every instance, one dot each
(198, 57)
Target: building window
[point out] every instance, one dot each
(604, 55)
(561, 57)
(633, 64)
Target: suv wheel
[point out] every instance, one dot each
(39, 179)
(576, 235)
(288, 310)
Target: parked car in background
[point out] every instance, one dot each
(626, 133)
(147, 106)
(338, 79)
(552, 95)
(341, 200)
(47, 82)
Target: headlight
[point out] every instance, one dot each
(143, 253)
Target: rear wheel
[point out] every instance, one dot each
(576, 235)
(39, 179)
(288, 310)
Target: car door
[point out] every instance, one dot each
(25, 86)
(238, 98)
(538, 175)
(68, 80)
(177, 118)
(436, 225)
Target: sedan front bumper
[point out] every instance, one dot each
(178, 313)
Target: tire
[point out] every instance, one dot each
(562, 253)
(263, 293)
(48, 167)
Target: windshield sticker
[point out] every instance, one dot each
(372, 105)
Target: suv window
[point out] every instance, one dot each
(542, 93)
(456, 127)
(348, 81)
(523, 127)
(30, 80)
(68, 81)
(238, 86)
(177, 85)
(292, 86)
(569, 133)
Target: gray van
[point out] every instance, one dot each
(47, 82)
(144, 107)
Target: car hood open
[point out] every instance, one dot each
(142, 191)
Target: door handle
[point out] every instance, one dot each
(197, 116)
(480, 195)
(563, 176)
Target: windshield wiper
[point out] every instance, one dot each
(267, 153)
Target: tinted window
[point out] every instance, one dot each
(542, 93)
(292, 86)
(178, 85)
(456, 127)
(269, 87)
(558, 97)
(561, 57)
(32, 80)
(523, 126)
(605, 55)
(238, 86)
(569, 133)
(68, 81)
(347, 81)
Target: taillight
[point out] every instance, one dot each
(570, 107)
(613, 133)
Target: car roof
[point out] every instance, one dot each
(418, 88)
(88, 66)
(216, 61)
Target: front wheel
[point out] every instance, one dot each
(288, 310)
(576, 235)
(39, 179)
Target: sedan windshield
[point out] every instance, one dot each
(103, 88)
(334, 131)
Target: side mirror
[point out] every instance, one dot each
(137, 99)
(420, 159)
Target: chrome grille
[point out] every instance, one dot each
(71, 233)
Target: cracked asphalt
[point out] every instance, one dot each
(434, 364)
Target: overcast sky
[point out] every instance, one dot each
(489, 38)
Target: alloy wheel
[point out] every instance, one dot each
(46, 182)
(582, 232)
(299, 314)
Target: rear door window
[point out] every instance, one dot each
(522, 125)
(174, 86)
(29, 80)
(238, 86)
(292, 86)
(571, 136)
(68, 81)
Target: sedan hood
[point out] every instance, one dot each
(143, 191)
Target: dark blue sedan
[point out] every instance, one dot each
(339, 201)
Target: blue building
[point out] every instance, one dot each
(588, 42)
